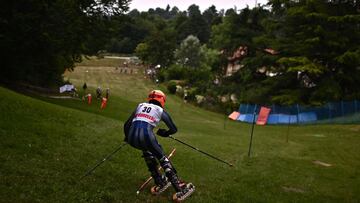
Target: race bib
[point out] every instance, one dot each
(149, 113)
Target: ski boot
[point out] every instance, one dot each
(187, 190)
(159, 188)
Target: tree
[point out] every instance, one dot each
(194, 24)
(319, 50)
(211, 16)
(158, 47)
(190, 52)
(178, 24)
(41, 39)
(307, 54)
(238, 29)
(143, 52)
(127, 32)
(174, 11)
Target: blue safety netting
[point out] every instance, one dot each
(333, 112)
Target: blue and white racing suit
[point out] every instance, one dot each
(139, 134)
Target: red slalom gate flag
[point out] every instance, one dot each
(103, 103)
(234, 115)
(263, 116)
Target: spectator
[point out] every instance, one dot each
(98, 92)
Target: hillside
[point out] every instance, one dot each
(48, 144)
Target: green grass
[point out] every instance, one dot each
(96, 62)
(48, 144)
(352, 118)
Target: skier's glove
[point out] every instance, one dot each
(162, 133)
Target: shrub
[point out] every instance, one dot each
(171, 86)
(176, 72)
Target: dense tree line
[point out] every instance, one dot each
(297, 51)
(319, 53)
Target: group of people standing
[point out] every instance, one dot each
(99, 96)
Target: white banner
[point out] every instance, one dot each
(66, 88)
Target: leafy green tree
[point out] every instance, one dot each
(128, 32)
(318, 59)
(158, 47)
(143, 52)
(211, 16)
(177, 24)
(126, 45)
(166, 14)
(238, 29)
(174, 12)
(39, 40)
(304, 36)
(134, 13)
(190, 52)
(194, 24)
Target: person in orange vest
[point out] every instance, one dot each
(103, 103)
(139, 134)
(89, 98)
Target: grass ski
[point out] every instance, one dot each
(150, 178)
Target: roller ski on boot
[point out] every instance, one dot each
(186, 190)
(162, 186)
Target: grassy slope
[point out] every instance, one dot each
(47, 144)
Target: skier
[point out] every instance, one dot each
(138, 131)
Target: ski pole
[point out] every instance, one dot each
(209, 155)
(150, 178)
(102, 161)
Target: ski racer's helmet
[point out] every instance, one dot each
(157, 95)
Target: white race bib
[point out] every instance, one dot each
(149, 113)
